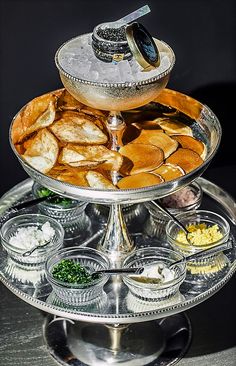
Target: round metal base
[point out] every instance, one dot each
(155, 343)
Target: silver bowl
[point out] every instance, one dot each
(208, 127)
(113, 96)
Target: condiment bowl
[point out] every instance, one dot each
(151, 255)
(208, 263)
(156, 224)
(10, 228)
(72, 293)
(70, 213)
(61, 212)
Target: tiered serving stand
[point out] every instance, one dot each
(119, 328)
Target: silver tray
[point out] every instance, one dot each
(117, 305)
(207, 128)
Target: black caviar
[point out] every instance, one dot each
(69, 271)
(112, 34)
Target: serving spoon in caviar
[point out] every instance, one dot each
(29, 252)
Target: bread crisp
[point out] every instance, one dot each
(140, 158)
(169, 171)
(159, 139)
(173, 127)
(187, 159)
(140, 180)
(188, 142)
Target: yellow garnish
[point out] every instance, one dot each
(200, 234)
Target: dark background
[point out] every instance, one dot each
(201, 32)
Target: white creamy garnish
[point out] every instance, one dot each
(158, 271)
(31, 236)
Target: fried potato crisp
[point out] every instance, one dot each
(140, 180)
(188, 142)
(42, 151)
(140, 158)
(148, 125)
(91, 156)
(37, 114)
(97, 180)
(68, 102)
(159, 139)
(169, 171)
(78, 128)
(187, 159)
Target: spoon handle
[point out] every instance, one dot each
(213, 250)
(26, 204)
(166, 212)
(116, 271)
(29, 252)
(134, 15)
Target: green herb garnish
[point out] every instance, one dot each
(71, 272)
(53, 198)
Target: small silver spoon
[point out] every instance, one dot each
(117, 271)
(166, 212)
(213, 250)
(29, 252)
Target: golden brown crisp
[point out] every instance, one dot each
(187, 159)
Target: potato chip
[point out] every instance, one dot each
(78, 128)
(91, 156)
(98, 181)
(40, 112)
(42, 151)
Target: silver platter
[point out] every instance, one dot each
(117, 305)
(208, 127)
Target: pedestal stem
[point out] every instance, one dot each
(116, 127)
(116, 243)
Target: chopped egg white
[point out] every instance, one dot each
(31, 236)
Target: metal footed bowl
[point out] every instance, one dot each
(208, 127)
(112, 96)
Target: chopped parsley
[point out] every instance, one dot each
(69, 271)
(54, 198)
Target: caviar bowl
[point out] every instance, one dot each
(76, 293)
(208, 263)
(19, 228)
(156, 224)
(153, 256)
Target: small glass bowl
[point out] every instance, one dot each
(62, 214)
(76, 223)
(39, 256)
(75, 294)
(207, 263)
(155, 226)
(149, 291)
